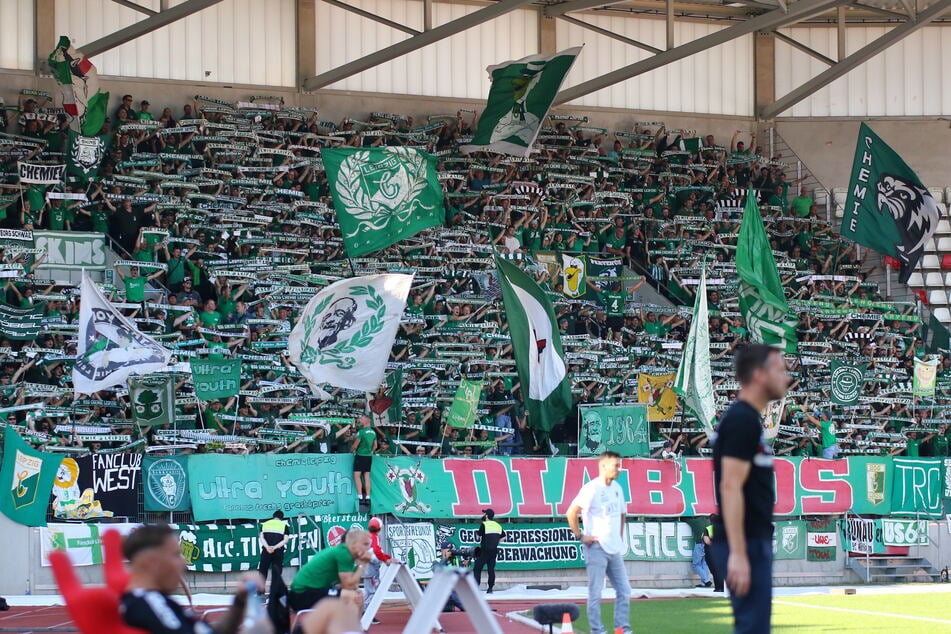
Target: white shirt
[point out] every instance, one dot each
(602, 506)
(512, 244)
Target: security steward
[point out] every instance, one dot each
(274, 535)
(490, 533)
(708, 554)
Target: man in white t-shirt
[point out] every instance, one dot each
(601, 506)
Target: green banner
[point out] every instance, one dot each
(619, 428)
(73, 250)
(215, 378)
(253, 487)
(847, 380)
(236, 547)
(166, 483)
(526, 546)
(789, 539)
(821, 540)
(883, 536)
(152, 399)
(21, 324)
(334, 526)
(464, 406)
(26, 480)
(544, 487)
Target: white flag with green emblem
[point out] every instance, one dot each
(521, 95)
(694, 382)
(345, 333)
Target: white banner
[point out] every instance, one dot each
(82, 542)
(822, 540)
(40, 174)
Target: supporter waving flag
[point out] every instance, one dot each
(346, 331)
(521, 95)
(536, 341)
(110, 348)
(694, 377)
(762, 301)
(79, 83)
(383, 195)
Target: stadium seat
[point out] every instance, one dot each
(839, 194)
(937, 193)
(947, 280)
(944, 228)
(933, 280)
(820, 196)
(916, 280)
(947, 195)
(943, 208)
(931, 246)
(930, 262)
(839, 211)
(942, 314)
(938, 298)
(944, 245)
(945, 261)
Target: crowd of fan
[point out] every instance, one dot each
(227, 211)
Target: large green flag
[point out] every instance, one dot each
(465, 405)
(152, 399)
(694, 382)
(383, 195)
(215, 378)
(536, 341)
(521, 95)
(762, 301)
(28, 477)
(79, 83)
(84, 155)
(888, 209)
(925, 377)
(846, 382)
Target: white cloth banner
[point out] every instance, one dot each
(82, 542)
(40, 174)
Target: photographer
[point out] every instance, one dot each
(491, 533)
(448, 558)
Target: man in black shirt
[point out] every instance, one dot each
(157, 566)
(743, 481)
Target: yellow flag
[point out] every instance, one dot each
(658, 392)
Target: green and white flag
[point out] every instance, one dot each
(383, 195)
(84, 155)
(165, 481)
(152, 399)
(694, 383)
(888, 209)
(215, 378)
(539, 357)
(762, 301)
(386, 405)
(574, 280)
(846, 382)
(465, 405)
(27, 476)
(346, 331)
(925, 378)
(110, 348)
(519, 100)
(79, 83)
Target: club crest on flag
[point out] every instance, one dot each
(330, 331)
(86, 153)
(382, 191)
(111, 346)
(407, 480)
(26, 477)
(167, 483)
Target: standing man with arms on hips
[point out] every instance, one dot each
(743, 481)
(490, 534)
(273, 537)
(364, 446)
(601, 505)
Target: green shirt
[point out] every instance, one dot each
(322, 572)
(657, 328)
(57, 218)
(911, 448)
(135, 288)
(367, 437)
(801, 205)
(613, 303)
(100, 220)
(939, 446)
(828, 433)
(209, 319)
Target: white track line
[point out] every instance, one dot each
(866, 612)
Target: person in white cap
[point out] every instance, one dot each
(371, 578)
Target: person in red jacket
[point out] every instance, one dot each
(371, 580)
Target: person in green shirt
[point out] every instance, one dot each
(144, 114)
(58, 215)
(912, 445)
(364, 446)
(826, 427)
(612, 300)
(209, 316)
(802, 204)
(135, 284)
(342, 564)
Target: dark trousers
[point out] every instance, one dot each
(752, 612)
(273, 562)
(486, 559)
(715, 572)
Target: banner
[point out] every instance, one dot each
(789, 539)
(601, 271)
(821, 540)
(215, 378)
(521, 94)
(574, 279)
(659, 395)
(465, 404)
(918, 487)
(846, 382)
(27, 476)
(619, 428)
(152, 400)
(882, 536)
(165, 482)
(72, 250)
(236, 547)
(335, 526)
(84, 155)
(31, 174)
(382, 195)
(386, 405)
(112, 482)
(82, 542)
(888, 209)
(544, 487)
(79, 83)
(925, 378)
(415, 544)
(694, 382)
(21, 324)
(227, 486)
